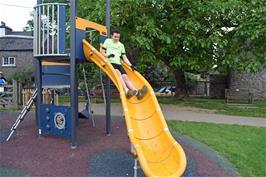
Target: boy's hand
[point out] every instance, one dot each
(111, 56)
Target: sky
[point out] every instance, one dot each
(16, 13)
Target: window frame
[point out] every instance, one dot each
(8, 62)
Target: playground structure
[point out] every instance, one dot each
(152, 143)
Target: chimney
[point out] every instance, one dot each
(3, 24)
(4, 30)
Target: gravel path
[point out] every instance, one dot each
(173, 112)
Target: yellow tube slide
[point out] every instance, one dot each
(157, 151)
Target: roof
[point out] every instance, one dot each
(10, 32)
(15, 43)
(3, 26)
(20, 33)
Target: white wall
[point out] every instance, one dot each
(2, 32)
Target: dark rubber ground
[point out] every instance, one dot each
(97, 155)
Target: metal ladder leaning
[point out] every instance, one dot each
(22, 115)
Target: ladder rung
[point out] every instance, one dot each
(22, 115)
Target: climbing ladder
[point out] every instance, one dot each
(23, 113)
(87, 112)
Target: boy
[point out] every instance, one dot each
(113, 49)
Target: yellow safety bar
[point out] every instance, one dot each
(48, 63)
(82, 24)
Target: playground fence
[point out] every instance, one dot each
(48, 96)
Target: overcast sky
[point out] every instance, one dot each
(16, 13)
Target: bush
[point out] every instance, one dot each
(24, 76)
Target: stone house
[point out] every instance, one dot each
(254, 82)
(214, 86)
(16, 50)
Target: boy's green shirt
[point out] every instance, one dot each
(117, 49)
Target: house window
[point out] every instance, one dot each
(8, 61)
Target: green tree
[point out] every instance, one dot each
(192, 35)
(24, 76)
(246, 40)
(187, 36)
(29, 26)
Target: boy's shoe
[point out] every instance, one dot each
(141, 92)
(131, 93)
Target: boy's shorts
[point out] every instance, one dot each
(119, 68)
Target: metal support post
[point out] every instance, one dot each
(135, 168)
(108, 95)
(73, 73)
(38, 78)
(39, 91)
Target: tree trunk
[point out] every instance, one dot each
(181, 90)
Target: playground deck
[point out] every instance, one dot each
(97, 155)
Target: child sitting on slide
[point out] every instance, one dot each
(113, 49)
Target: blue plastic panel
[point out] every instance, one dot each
(56, 75)
(62, 29)
(102, 39)
(52, 117)
(80, 35)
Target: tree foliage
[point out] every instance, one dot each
(24, 76)
(187, 35)
(192, 35)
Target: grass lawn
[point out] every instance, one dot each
(259, 109)
(244, 146)
(66, 99)
(9, 109)
(81, 99)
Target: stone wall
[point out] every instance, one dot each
(256, 82)
(218, 84)
(24, 59)
(196, 88)
(213, 87)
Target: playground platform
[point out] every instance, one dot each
(97, 155)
